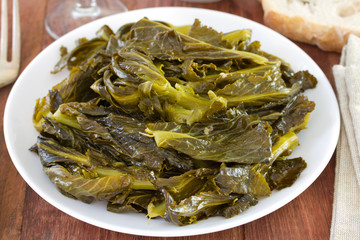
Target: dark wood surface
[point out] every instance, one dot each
(24, 215)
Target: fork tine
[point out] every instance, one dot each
(9, 69)
(16, 33)
(4, 30)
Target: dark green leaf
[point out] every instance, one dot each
(283, 173)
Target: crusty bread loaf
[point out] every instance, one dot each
(326, 23)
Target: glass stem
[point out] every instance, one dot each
(86, 8)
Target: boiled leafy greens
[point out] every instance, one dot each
(182, 123)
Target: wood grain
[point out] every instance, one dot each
(24, 215)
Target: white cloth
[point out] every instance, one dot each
(346, 207)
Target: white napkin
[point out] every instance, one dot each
(346, 206)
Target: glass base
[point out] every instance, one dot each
(64, 15)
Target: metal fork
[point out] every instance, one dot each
(9, 69)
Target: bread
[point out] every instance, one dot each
(326, 23)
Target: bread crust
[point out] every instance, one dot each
(328, 38)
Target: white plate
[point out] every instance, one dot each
(317, 143)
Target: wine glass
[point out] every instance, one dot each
(65, 15)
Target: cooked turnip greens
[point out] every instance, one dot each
(182, 123)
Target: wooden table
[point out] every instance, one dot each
(24, 215)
